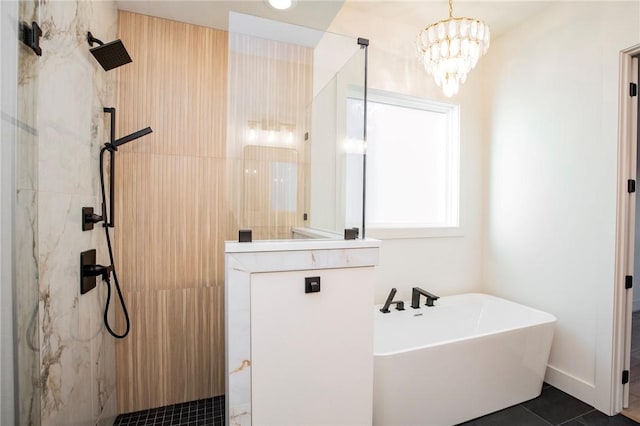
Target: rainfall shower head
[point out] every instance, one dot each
(110, 55)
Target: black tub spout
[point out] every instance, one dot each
(415, 297)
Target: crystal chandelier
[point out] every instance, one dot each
(450, 48)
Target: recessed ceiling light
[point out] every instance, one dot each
(281, 4)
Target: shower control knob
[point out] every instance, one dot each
(89, 218)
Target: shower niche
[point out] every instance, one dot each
(292, 171)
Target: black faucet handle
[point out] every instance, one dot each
(399, 307)
(431, 299)
(389, 302)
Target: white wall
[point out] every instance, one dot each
(443, 265)
(331, 165)
(330, 55)
(8, 114)
(539, 127)
(335, 60)
(552, 85)
(322, 168)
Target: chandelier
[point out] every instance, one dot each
(450, 48)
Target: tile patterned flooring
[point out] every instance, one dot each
(203, 412)
(552, 407)
(634, 377)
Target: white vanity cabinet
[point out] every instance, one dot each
(297, 357)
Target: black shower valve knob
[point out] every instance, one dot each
(93, 218)
(95, 270)
(89, 218)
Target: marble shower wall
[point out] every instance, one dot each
(26, 234)
(62, 96)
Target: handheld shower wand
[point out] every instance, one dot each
(108, 222)
(112, 147)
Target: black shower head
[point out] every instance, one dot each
(131, 137)
(110, 55)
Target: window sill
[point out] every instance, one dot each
(403, 233)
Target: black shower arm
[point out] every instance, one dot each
(91, 39)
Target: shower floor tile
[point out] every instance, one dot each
(203, 412)
(552, 407)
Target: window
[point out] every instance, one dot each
(412, 163)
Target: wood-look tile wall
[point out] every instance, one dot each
(170, 216)
(191, 184)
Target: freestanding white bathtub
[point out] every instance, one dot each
(467, 356)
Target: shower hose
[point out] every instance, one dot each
(113, 266)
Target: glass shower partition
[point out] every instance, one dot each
(294, 153)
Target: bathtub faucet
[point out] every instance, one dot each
(415, 297)
(399, 304)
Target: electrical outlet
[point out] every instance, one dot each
(312, 285)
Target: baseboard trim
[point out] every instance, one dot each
(574, 386)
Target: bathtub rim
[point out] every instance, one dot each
(549, 319)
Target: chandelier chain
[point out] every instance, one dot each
(450, 8)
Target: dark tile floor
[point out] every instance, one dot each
(552, 407)
(208, 411)
(634, 381)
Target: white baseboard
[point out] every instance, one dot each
(578, 388)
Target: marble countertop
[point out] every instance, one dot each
(298, 245)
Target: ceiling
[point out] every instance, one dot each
(316, 14)
(395, 24)
(501, 15)
(389, 24)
